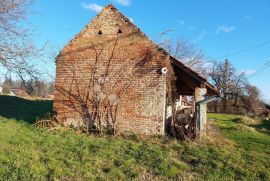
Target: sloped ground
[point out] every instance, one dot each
(238, 148)
(25, 110)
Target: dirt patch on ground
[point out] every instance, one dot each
(215, 137)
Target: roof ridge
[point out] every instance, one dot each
(109, 6)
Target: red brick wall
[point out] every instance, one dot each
(134, 60)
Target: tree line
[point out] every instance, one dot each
(35, 88)
(18, 52)
(238, 96)
(19, 55)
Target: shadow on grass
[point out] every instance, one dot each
(263, 127)
(22, 109)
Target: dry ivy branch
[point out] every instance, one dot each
(95, 93)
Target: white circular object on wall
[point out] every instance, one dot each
(164, 70)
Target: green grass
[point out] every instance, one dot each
(22, 109)
(236, 150)
(31, 154)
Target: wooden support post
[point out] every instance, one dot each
(164, 72)
(200, 94)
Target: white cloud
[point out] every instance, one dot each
(181, 22)
(224, 29)
(123, 2)
(247, 72)
(66, 26)
(131, 19)
(202, 35)
(191, 27)
(92, 7)
(247, 16)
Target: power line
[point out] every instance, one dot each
(244, 50)
(165, 32)
(257, 72)
(260, 70)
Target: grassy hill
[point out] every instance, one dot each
(238, 148)
(20, 109)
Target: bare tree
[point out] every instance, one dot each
(16, 46)
(252, 100)
(230, 83)
(187, 53)
(238, 94)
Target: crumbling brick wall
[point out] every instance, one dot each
(133, 60)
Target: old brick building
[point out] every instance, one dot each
(112, 75)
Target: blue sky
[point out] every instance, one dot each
(218, 28)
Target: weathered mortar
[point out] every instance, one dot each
(141, 106)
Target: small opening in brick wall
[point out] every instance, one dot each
(99, 32)
(119, 31)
